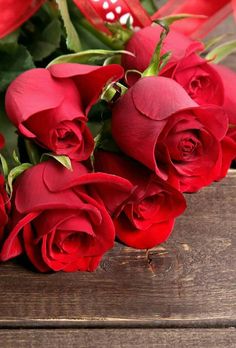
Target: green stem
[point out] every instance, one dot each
(107, 40)
(154, 67)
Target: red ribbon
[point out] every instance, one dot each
(94, 12)
(86, 7)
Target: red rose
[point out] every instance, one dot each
(228, 77)
(59, 218)
(4, 207)
(50, 105)
(200, 80)
(1, 141)
(147, 217)
(14, 13)
(158, 124)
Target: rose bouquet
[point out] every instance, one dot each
(111, 111)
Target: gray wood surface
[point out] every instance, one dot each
(187, 282)
(100, 338)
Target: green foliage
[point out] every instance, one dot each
(14, 59)
(9, 132)
(221, 52)
(14, 173)
(88, 57)
(168, 20)
(149, 5)
(72, 40)
(64, 160)
(46, 41)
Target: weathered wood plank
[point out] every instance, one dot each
(204, 338)
(188, 281)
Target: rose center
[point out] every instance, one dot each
(200, 82)
(187, 146)
(146, 208)
(74, 242)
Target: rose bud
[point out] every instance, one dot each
(51, 105)
(200, 80)
(146, 218)
(62, 223)
(159, 125)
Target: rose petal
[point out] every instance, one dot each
(31, 92)
(14, 13)
(142, 239)
(89, 79)
(151, 89)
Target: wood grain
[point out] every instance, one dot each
(214, 338)
(187, 282)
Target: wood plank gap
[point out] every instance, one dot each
(117, 324)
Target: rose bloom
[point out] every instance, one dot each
(159, 125)
(59, 217)
(228, 77)
(51, 105)
(4, 200)
(200, 80)
(4, 207)
(147, 217)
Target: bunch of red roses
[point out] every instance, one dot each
(170, 129)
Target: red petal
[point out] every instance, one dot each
(33, 249)
(31, 92)
(151, 88)
(89, 79)
(40, 198)
(14, 13)
(12, 246)
(142, 239)
(228, 77)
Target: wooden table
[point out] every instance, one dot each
(183, 294)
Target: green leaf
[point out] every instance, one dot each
(168, 20)
(150, 6)
(99, 112)
(88, 57)
(16, 158)
(32, 150)
(5, 168)
(46, 41)
(221, 52)
(156, 61)
(165, 59)
(14, 173)
(213, 41)
(72, 41)
(64, 160)
(10, 134)
(112, 91)
(13, 62)
(104, 139)
(11, 38)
